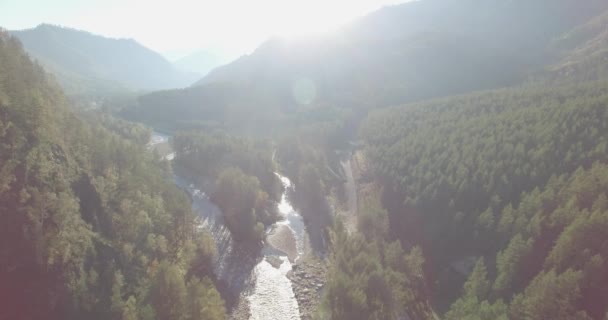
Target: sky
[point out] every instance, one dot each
(178, 27)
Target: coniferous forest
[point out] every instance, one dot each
(505, 176)
(91, 228)
(429, 160)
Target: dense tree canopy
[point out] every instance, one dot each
(553, 266)
(453, 158)
(243, 204)
(238, 173)
(90, 227)
(371, 277)
(457, 168)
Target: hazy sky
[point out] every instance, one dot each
(177, 27)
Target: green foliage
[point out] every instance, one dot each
(169, 293)
(205, 155)
(137, 133)
(371, 278)
(559, 272)
(242, 202)
(242, 176)
(550, 296)
(90, 228)
(306, 162)
(474, 304)
(204, 301)
(470, 308)
(311, 196)
(478, 285)
(509, 262)
(451, 165)
(372, 219)
(466, 150)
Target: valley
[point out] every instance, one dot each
(431, 159)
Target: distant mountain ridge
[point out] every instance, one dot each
(398, 54)
(201, 62)
(86, 63)
(419, 49)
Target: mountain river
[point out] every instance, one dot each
(260, 279)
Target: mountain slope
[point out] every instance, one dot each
(449, 166)
(583, 53)
(90, 226)
(84, 62)
(416, 50)
(399, 54)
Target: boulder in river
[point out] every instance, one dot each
(274, 261)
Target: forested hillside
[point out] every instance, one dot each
(511, 178)
(449, 167)
(88, 64)
(552, 258)
(414, 51)
(91, 227)
(584, 53)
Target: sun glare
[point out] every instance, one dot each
(316, 16)
(310, 18)
(237, 26)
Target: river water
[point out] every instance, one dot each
(266, 288)
(273, 296)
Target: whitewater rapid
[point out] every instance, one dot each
(273, 296)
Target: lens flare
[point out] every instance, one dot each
(304, 91)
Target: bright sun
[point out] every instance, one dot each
(185, 25)
(311, 17)
(318, 16)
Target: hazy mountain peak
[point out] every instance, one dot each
(202, 61)
(87, 63)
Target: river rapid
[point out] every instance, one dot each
(260, 279)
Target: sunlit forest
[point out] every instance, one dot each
(430, 159)
(91, 228)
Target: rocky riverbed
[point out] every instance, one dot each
(282, 238)
(241, 311)
(308, 278)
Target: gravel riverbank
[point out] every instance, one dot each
(241, 311)
(282, 239)
(308, 278)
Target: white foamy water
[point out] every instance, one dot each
(293, 220)
(170, 156)
(271, 292)
(157, 138)
(272, 296)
